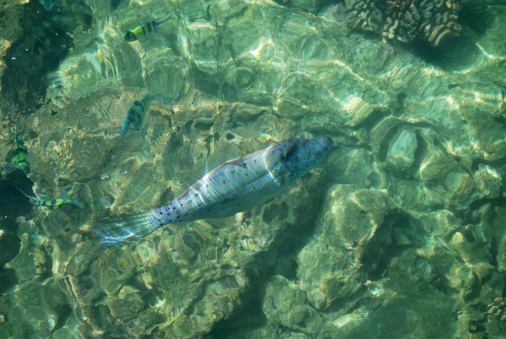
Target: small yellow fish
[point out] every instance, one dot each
(132, 34)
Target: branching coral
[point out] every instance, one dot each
(498, 308)
(406, 20)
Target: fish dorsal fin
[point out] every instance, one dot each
(221, 155)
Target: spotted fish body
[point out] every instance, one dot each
(237, 185)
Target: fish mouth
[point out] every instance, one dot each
(326, 142)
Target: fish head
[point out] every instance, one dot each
(129, 36)
(289, 160)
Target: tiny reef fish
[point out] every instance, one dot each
(132, 34)
(137, 112)
(235, 186)
(52, 204)
(20, 154)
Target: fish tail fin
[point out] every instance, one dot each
(76, 204)
(26, 195)
(116, 230)
(125, 128)
(162, 21)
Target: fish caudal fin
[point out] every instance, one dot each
(162, 21)
(119, 229)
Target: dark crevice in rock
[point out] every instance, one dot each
(374, 119)
(279, 259)
(247, 317)
(385, 143)
(45, 42)
(419, 155)
(497, 164)
(13, 204)
(7, 280)
(64, 313)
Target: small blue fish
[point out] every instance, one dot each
(137, 112)
(132, 34)
(235, 186)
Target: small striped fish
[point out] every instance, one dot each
(136, 115)
(53, 204)
(137, 112)
(132, 34)
(236, 186)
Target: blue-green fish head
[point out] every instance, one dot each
(129, 36)
(290, 160)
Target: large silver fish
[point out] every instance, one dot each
(237, 185)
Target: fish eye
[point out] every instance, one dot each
(287, 152)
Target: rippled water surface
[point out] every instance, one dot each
(398, 232)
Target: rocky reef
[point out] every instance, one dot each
(407, 20)
(399, 233)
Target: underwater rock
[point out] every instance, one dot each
(501, 255)
(32, 261)
(374, 57)
(194, 9)
(285, 305)
(352, 236)
(224, 11)
(165, 72)
(401, 153)
(295, 100)
(352, 100)
(34, 307)
(204, 39)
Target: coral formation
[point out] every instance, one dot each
(407, 20)
(498, 308)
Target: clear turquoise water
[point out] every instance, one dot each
(397, 234)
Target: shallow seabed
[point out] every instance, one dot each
(399, 233)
